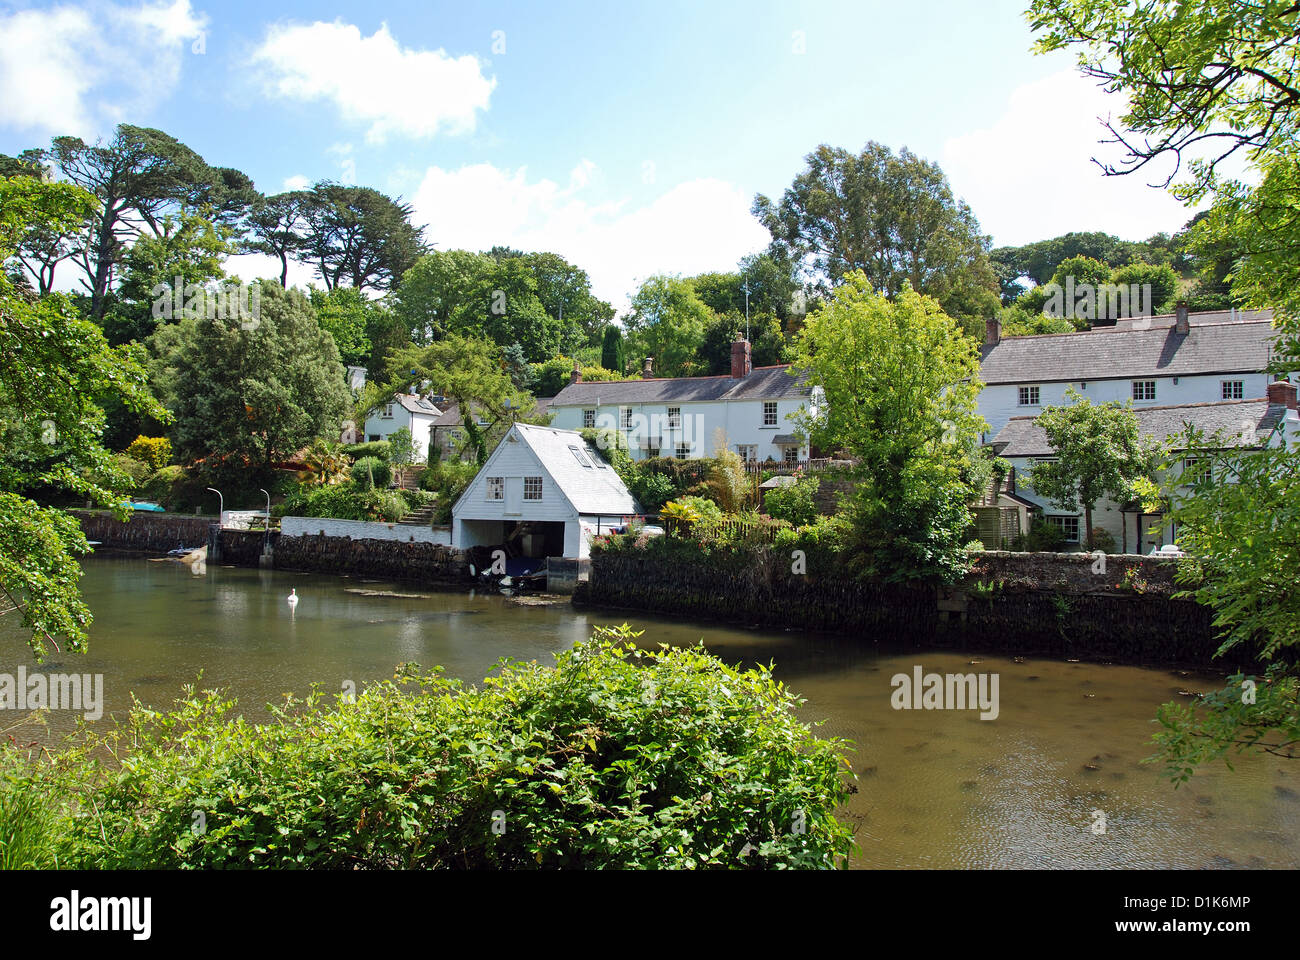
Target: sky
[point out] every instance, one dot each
(630, 137)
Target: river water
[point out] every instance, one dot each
(937, 788)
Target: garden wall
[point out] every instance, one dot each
(144, 532)
(1058, 605)
(363, 530)
(417, 562)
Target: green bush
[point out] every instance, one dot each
(706, 508)
(344, 501)
(1043, 537)
(448, 479)
(371, 472)
(154, 451)
(651, 490)
(617, 757)
(375, 448)
(796, 503)
(137, 470)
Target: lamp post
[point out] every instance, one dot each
(221, 505)
(266, 535)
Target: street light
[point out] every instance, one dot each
(221, 506)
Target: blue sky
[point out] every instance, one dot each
(630, 136)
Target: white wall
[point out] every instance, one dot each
(1000, 402)
(742, 420)
(362, 530)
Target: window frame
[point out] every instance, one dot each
(1142, 386)
(589, 418)
(1237, 391)
(674, 418)
(1027, 390)
(581, 456)
(682, 451)
(769, 413)
(1063, 520)
(532, 485)
(494, 489)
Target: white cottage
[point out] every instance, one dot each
(1270, 421)
(1174, 360)
(543, 492)
(683, 417)
(408, 410)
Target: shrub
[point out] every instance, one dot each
(1043, 537)
(371, 472)
(652, 490)
(796, 503)
(726, 477)
(401, 447)
(137, 470)
(616, 757)
(704, 508)
(154, 451)
(448, 479)
(375, 448)
(344, 501)
(1103, 539)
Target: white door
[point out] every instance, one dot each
(514, 496)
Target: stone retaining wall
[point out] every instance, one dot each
(1033, 604)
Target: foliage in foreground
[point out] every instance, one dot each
(615, 758)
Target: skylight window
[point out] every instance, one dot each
(580, 456)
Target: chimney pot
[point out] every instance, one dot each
(741, 361)
(1181, 323)
(575, 376)
(647, 367)
(1282, 392)
(992, 332)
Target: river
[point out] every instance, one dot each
(936, 788)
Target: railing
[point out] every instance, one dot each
(786, 467)
(751, 530)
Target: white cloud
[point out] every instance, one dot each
(81, 69)
(1030, 175)
(696, 226)
(374, 80)
(296, 182)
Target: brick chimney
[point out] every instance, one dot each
(575, 375)
(740, 359)
(1282, 392)
(1181, 323)
(992, 332)
(648, 367)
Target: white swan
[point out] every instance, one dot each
(293, 598)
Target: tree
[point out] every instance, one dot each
(343, 313)
(613, 355)
(767, 342)
(54, 363)
(894, 218)
(246, 395)
(357, 236)
(277, 227)
(466, 370)
(900, 385)
(1100, 453)
(667, 322)
(139, 177)
(188, 252)
(1210, 75)
(552, 376)
(1160, 278)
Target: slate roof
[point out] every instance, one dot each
(1107, 353)
(417, 404)
(763, 383)
(1023, 437)
(592, 490)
